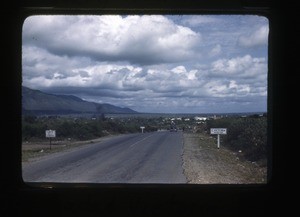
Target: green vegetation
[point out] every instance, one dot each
(245, 134)
(33, 128)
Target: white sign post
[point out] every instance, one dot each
(50, 134)
(142, 129)
(218, 131)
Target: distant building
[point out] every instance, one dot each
(200, 118)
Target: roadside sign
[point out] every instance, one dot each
(50, 133)
(218, 131)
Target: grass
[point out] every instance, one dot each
(31, 150)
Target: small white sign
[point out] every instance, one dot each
(218, 130)
(50, 133)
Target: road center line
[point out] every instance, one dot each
(140, 141)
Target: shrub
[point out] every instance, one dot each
(248, 134)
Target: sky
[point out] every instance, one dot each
(151, 63)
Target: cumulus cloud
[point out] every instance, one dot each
(240, 67)
(215, 51)
(136, 39)
(147, 63)
(256, 38)
(233, 79)
(195, 20)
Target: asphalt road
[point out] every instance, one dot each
(135, 158)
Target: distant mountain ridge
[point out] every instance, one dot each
(36, 102)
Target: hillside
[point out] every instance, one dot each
(36, 102)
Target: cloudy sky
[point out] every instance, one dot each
(170, 64)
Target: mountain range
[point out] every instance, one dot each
(36, 102)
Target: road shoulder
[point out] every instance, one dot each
(204, 163)
(32, 151)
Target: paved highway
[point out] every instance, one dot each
(134, 158)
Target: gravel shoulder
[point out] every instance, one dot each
(204, 163)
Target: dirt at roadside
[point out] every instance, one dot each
(33, 150)
(204, 163)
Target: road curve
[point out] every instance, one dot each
(134, 158)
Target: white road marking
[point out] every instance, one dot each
(140, 141)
